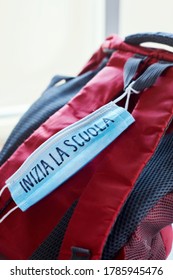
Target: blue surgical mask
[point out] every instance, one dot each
(65, 153)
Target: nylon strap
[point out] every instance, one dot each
(149, 77)
(146, 80)
(130, 69)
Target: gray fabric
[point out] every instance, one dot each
(149, 77)
(158, 37)
(130, 69)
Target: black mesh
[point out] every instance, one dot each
(155, 181)
(146, 239)
(50, 248)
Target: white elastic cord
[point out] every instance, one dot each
(121, 96)
(128, 91)
(8, 213)
(3, 189)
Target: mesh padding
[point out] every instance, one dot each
(146, 242)
(155, 181)
(49, 249)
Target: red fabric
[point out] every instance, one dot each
(100, 198)
(95, 60)
(167, 237)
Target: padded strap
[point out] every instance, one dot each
(158, 37)
(102, 200)
(95, 94)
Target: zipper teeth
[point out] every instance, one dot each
(53, 139)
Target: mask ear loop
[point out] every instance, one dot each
(10, 211)
(131, 90)
(128, 91)
(7, 214)
(3, 189)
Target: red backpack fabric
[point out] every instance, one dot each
(82, 218)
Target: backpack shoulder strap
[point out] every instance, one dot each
(122, 163)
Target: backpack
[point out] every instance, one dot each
(120, 204)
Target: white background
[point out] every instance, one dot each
(41, 38)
